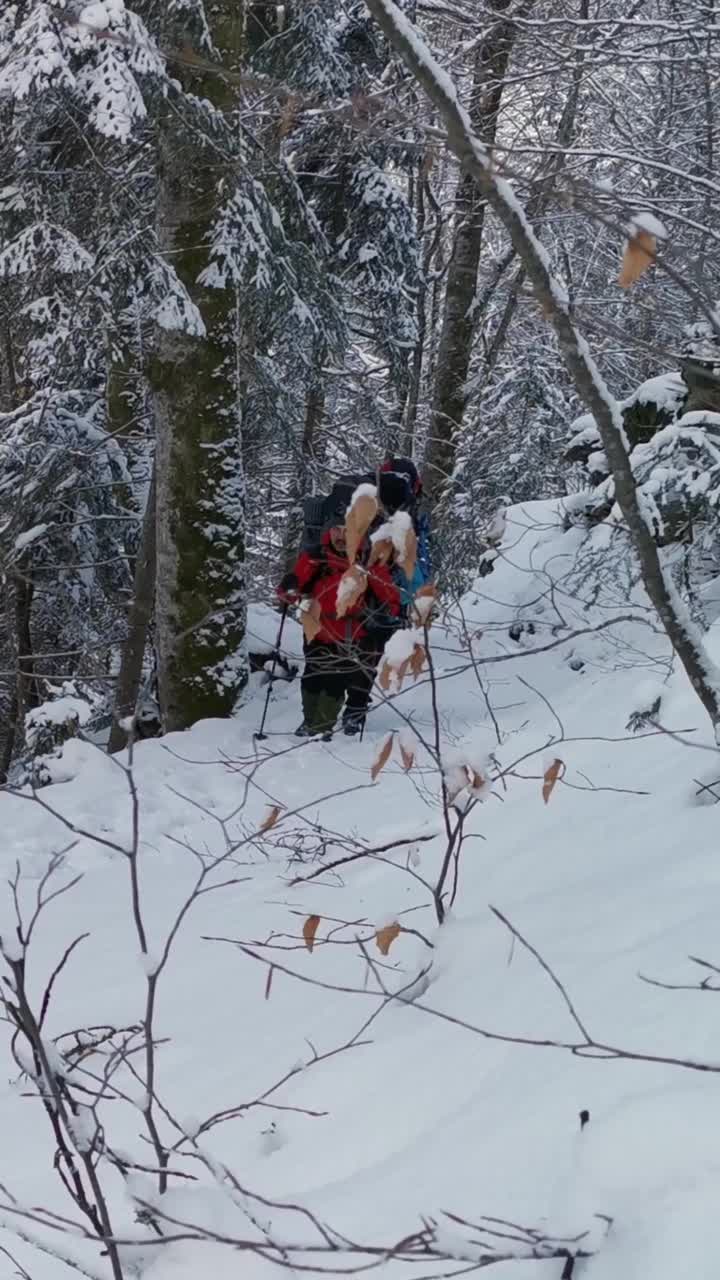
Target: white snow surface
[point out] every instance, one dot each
(363, 491)
(263, 627)
(616, 876)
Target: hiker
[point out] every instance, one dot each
(400, 489)
(340, 662)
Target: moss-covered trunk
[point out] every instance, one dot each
(200, 594)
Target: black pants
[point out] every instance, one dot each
(335, 674)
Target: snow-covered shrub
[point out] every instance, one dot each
(49, 726)
(675, 457)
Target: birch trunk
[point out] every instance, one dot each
(458, 326)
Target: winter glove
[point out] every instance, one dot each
(289, 589)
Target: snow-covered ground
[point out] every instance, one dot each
(617, 876)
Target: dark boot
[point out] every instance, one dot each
(353, 723)
(310, 701)
(328, 710)
(321, 710)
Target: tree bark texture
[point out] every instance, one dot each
(141, 610)
(458, 325)
(200, 588)
(314, 410)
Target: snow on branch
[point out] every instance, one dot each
(684, 637)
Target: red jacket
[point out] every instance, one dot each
(320, 579)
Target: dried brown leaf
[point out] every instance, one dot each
(409, 560)
(310, 928)
(408, 757)
(357, 522)
(552, 775)
(424, 603)
(351, 587)
(311, 624)
(638, 256)
(401, 672)
(382, 757)
(385, 678)
(381, 551)
(271, 818)
(417, 660)
(385, 937)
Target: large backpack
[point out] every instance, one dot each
(320, 513)
(400, 490)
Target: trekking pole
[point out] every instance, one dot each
(260, 736)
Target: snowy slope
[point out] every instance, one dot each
(616, 876)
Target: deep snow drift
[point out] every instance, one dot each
(617, 876)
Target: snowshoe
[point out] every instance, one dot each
(353, 725)
(302, 731)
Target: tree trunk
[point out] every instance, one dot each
(9, 396)
(458, 327)
(131, 665)
(314, 409)
(409, 421)
(27, 692)
(200, 585)
(538, 204)
(684, 637)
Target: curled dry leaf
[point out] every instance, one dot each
(351, 587)
(310, 928)
(381, 551)
(310, 618)
(382, 757)
(417, 660)
(357, 522)
(390, 675)
(409, 560)
(385, 937)
(424, 603)
(408, 757)
(638, 256)
(552, 775)
(271, 818)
